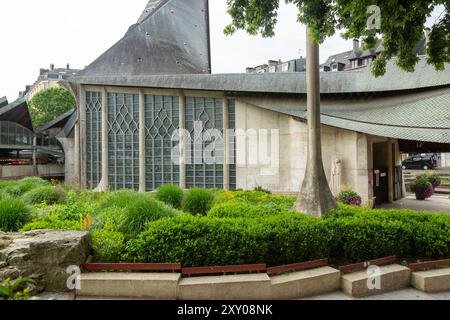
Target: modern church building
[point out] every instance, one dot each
(150, 112)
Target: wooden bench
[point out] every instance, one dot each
(429, 264)
(298, 266)
(173, 267)
(223, 269)
(363, 265)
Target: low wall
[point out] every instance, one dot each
(18, 172)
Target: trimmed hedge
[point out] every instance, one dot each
(107, 245)
(287, 238)
(244, 209)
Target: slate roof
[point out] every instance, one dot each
(59, 122)
(171, 37)
(3, 101)
(17, 112)
(417, 116)
(342, 57)
(425, 76)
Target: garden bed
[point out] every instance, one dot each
(198, 228)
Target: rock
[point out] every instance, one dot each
(43, 256)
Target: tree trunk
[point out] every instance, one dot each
(315, 197)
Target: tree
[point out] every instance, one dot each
(401, 25)
(49, 104)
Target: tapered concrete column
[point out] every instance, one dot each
(35, 164)
(82, 121)
(315, 197)
(142, 179)
(104, 183)
(77, 171)
(182, 129)
(226, 146)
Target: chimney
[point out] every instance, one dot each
(52, 67)
(272, 63)
(355, 45)
(68, 66)
(250, 70)
(42, 71)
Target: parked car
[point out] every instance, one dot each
(421, 162)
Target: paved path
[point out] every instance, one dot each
(405, 294)
(437, 203)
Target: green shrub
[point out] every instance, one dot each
(290, 238)
(198, 201)
(261, 189)
(27, 184)
(14, 213)
(5, 184)
(142, 210)
(107, 245)
(52, 223)
(243, 209)
(44, 194)
(120, 198)
(170, 194)
(203, 241)
(109, 219)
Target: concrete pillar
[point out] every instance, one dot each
(76, 164)
(104, 184)
(82, 141)
(391, 169)
(315, 197)
(35, 164)
(182, 127)
(142, 179)
(226, 146)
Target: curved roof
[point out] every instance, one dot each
(425, 76)
(171, 37)
(421, 116)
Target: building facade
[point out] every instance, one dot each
(48, 78)
(143, 123)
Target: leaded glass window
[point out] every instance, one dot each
(93, 138)
(123, 140)
(161, 120)
(209, 112)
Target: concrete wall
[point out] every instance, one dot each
(18, 172)
(350, 147)
(70, 153)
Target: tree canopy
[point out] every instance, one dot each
(49, 104)
(401, 27)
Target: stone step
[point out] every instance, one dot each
(436, 280)
(362, 283)
(133, 285)
(228, 287)
(305, 283)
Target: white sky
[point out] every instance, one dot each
(34, 34)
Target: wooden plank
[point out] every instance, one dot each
(131, 266)
(429, 264)
(224, 269)
(298, 266)
(363, 265)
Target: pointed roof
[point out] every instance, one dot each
(17, 112)
(171, 37)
